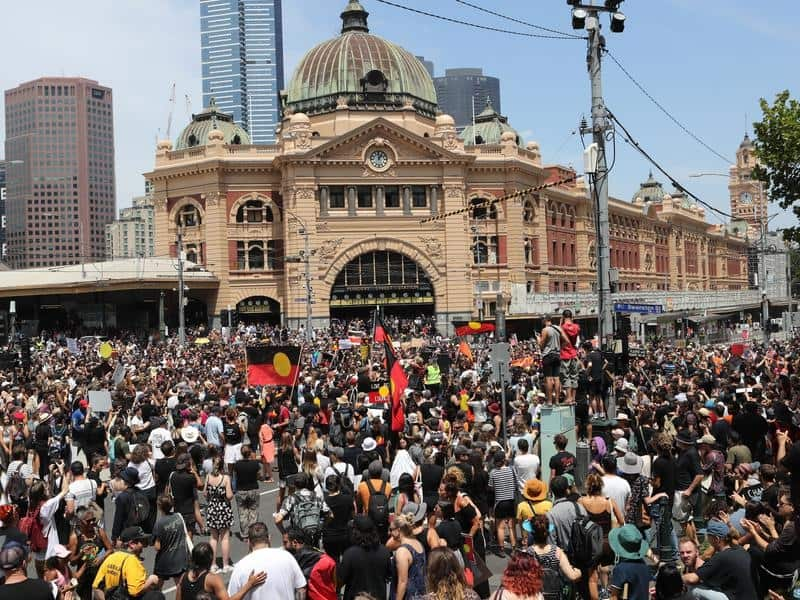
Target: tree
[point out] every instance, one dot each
(778, 150)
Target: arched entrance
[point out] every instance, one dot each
(381, 278)
(259, 309)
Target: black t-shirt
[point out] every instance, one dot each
(247, 472)
(95, 476)
(163, 469)
(720, 431)
(792, 462)
(665, 470)
(341, 506)
(562, 462)
(450, 531)
(30, 589)
(42, 436)
(232, 433)
(596, 372)
(363, 570)
(184, 489)
(729, 572)
(173, 557)
(253, 420)
(688, 468)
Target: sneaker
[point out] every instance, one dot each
(227, 569)
(215, 569)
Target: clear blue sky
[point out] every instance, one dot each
(707, 61)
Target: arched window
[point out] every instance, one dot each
(483, 209)
(237, 140)
(192, 141)
(528, 213)
(255, 256)
(188, 216)
(528, 251)
(254, 211)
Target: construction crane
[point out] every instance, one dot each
(171, 109)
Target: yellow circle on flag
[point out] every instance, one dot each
(282, 364)
(383, 391)
(105, 350)
(474, 325)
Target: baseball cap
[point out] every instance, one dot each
(83, 403)
(717, 528)
(134, 534)
(12, 555)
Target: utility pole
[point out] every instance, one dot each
(181, 299)
(309, 291)
(762, 282)
(587, 16)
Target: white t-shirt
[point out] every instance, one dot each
(283, 574)
(526, 466)
(342, 468)
(82, 491)
(616, 488)
(157, 437)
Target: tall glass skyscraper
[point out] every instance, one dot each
(242, 53)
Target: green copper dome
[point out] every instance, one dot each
(489, 128)
(196, 132)
(361, 69)
(650, 191)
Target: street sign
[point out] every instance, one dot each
(500, 357)
(649, 309)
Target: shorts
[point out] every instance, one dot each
(233, 452)
(596, 389)
(582, 412)
(504, 510)
(551, 365)
(570, 369)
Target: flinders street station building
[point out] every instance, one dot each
(371, 197)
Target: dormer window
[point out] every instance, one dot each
(237, 140)
(192, 140)
(374, 82)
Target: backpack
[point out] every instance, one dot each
(306, 516)
(345, 484)
(140, 508)
(554, 586)
(17, 487)
(585, 540)
(31, 526)
(378, 508)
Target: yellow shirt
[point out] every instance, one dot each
(525, 512)
(108, 575)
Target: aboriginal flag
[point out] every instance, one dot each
(398, 382)
(472, 327)
(379, 334)
(272, 365)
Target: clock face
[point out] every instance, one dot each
(746, 198)
(378, 159)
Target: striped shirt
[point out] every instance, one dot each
(502, 482)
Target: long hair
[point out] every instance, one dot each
(523, 575)
(310, 462)
(594, 485)
(286, 441)
(445, 577)
(405, 485)
(139, 453)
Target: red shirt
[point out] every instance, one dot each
(320, 581)
(571, 330)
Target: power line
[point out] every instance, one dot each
(630, 139)
(475, 25)
(521, 22)
(665, 111)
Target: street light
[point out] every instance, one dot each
(305, 257)
(709, 174)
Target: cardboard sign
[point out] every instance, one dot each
(100, 401)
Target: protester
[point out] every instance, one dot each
(125, 567)
(170, 542)
(200, 579)
(366, 565)
(445, 577)
(219, 515)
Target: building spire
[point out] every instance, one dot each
(354, 17)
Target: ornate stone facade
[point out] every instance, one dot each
(358, 179)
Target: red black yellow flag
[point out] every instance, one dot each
(272, 365)
(472, 327)
(379, 333)
(398, 382)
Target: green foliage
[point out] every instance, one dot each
(778, 150)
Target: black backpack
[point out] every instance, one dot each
(585, 541)
(554, 584)
(345, 484)
(306, 516)
(140, 508)
(378, 508)
(16, 487)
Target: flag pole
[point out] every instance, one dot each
(297, 374)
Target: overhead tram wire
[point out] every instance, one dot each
(632, 141)
(476, 25)
(521, 22)
(665, 111)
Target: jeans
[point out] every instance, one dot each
(705, 594)
(247, 502)
(661, 534)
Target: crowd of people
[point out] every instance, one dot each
(684, 483)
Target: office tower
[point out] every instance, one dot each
(242, 54)
(428, 64)
(460, 88)
(60, 171)
(3, 247)
(133, 234)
